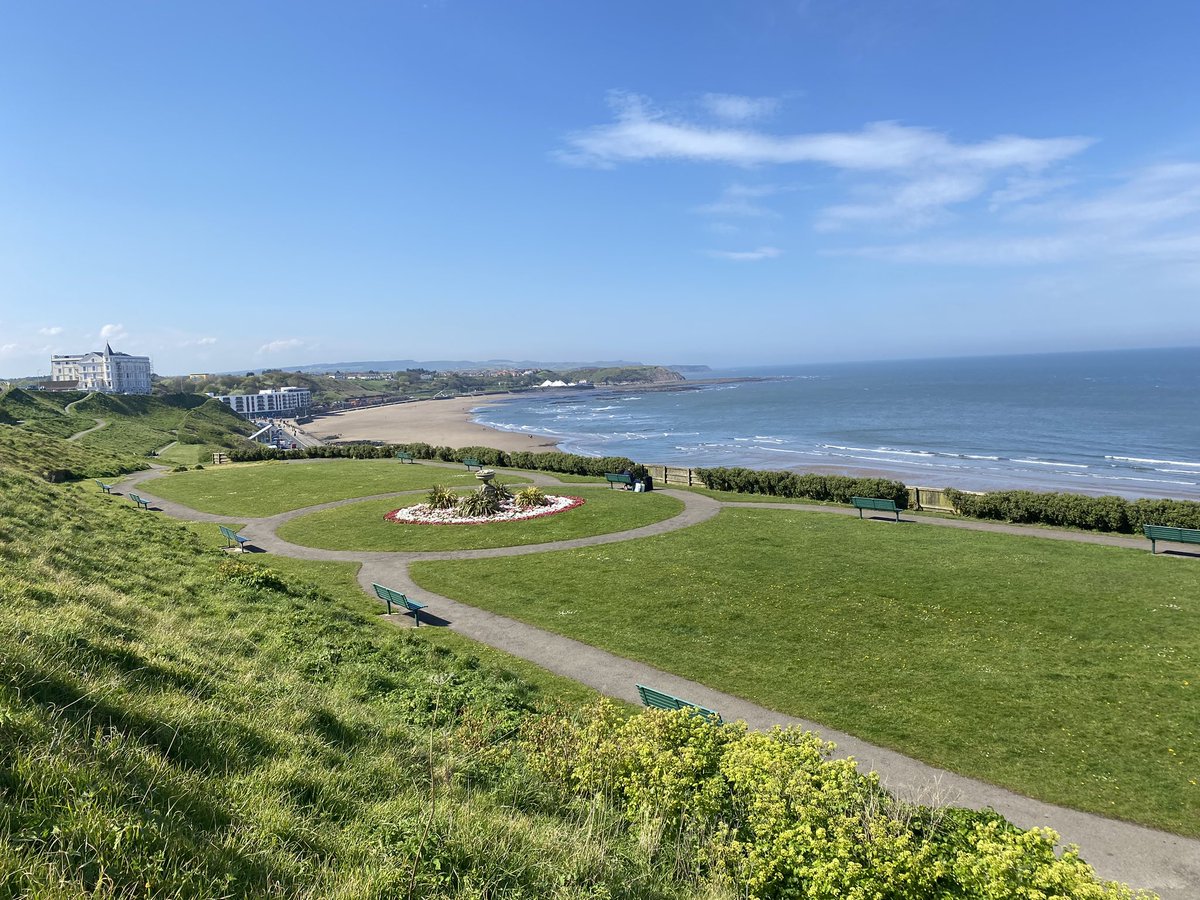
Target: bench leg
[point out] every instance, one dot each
(860, 512)
(1153, 544)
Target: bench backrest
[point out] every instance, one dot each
(1171, 533)
(386, 593)
(228, 532)
(615, 478)
(135, 498)
(469, 463)
(401, 454)
(874, 503)
(658, 700)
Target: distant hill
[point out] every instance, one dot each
(455, 365)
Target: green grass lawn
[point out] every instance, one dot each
(263, 489)
(187, 454)
(1064, 671)
(361, 526)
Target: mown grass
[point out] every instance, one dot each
(1064, 671)
(361, 526)
(267, 488)
(175, 722)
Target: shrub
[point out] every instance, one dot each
(479, 503)
(1076, 510)
(529, 497)
(773, 815)
(440, 497)
(834, 488)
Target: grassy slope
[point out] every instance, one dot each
(361, 526)
(33, 453)
(1064, 671)
(42, 413)
(263, 489)
(173, 729)
(143, 424)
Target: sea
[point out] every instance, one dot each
(1113, 422)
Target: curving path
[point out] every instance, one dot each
(1120, 851)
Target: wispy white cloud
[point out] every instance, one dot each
(198, 342)
(736, 108)
(50, 331)
(756, 255)
(739, 200)
(6, 349)
(1152, 214)
(641, 132)
(281, 345)
(921, 201)
(113, 332)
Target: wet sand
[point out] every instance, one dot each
(445, 423)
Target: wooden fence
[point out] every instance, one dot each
(665, 475)
(220, 459)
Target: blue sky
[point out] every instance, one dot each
(241, 185)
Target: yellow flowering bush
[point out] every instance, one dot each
(773, 815)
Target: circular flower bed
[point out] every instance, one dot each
(422, 514)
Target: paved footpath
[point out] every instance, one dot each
(1142, 857)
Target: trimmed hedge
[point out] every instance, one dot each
(1076, 510)
(567, 463)
(809, 486)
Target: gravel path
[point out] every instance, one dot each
(1142, 857)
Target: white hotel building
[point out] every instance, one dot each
(287, 402)
(114, 373)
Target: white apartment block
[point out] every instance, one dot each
(114, 373)
(288, 400)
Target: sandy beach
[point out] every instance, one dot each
(439, 422)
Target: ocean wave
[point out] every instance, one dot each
(1161, 462)
(1048, 462)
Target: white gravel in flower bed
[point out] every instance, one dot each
(421, 514)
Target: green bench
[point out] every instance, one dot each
(1158, 533)
(106, 488)
(142, 504)
(472, 464)
(658, 700)
(388, 596)
(615, 478)
(875, 503)
(231, 535)
(404, 456)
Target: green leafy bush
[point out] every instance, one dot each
(773, 815)
(1076, 510)
(835, 488)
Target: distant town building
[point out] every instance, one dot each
(288, 400)
(108, 371)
